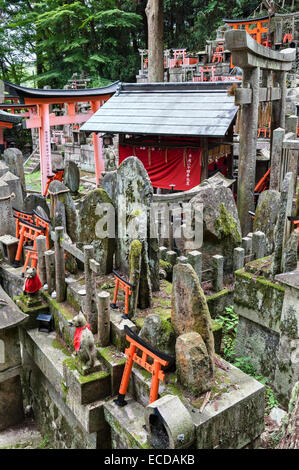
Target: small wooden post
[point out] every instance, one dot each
(50, 270)
(41, 248)
(59, 265)
(103, 305)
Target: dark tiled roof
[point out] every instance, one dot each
(23, 92)
(190, 109)
(8, 117)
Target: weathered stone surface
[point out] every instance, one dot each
(290, 436)
(172, 430)
(159, 333)
(15, 187)
(71, 176)
(289, 256)
(59, 192)
(287, 370)
(91, 219)
(109, 184)
(258, 302)
(127, 425)
(59, 219)
(134, 194)
(14, 160)
(3, 168)
(61, 417)
(109, 158)
(238, 418)
(194, 368)
(145, 285)
(7, 226)
(266, 216)
(190, 310)
(33, 201)
(134, 274)
(11, 402)
(221, 226)
(282, 228)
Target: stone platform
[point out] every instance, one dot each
(232, 421)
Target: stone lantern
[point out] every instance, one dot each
(11, 401)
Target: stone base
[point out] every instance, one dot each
(234, 422)
(127, 425)
(86, 388)
(57, 408)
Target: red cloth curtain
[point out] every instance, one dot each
(178, 166)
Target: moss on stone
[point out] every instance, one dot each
(166, 266)
(83, 379)
(57, 345)
(109, 356)
(134, 257)
(289, 326)
(70, 363)
(211, 298)
(166, 286)
(227, 225)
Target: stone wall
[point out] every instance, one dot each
(62, 419)
(258, 302)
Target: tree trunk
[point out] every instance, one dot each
(154, 13)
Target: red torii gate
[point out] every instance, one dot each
(37, 102)
(253, 26)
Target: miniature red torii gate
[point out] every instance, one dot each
(37, 101)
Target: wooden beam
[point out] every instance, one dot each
(244, 95)
(35, 122)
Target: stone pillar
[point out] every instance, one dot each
(182, 260)
(217, 266)
(283, 225)
(279, 106)
(7, 225)
(162, 251)
(258, 245)
(50, 270)
(171, 257)
(277, 139)
(41, 248)
(15, 188)
(59, 265)
(103, 305)
(134, 273)
(89, 287)
(247, 149)
(247, 245)
(239, 258)
(195, 259)
(291, 123)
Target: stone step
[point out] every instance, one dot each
(127, 425)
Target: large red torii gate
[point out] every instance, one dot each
(37, 102)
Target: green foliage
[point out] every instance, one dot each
(229, 321)
(46, 41)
